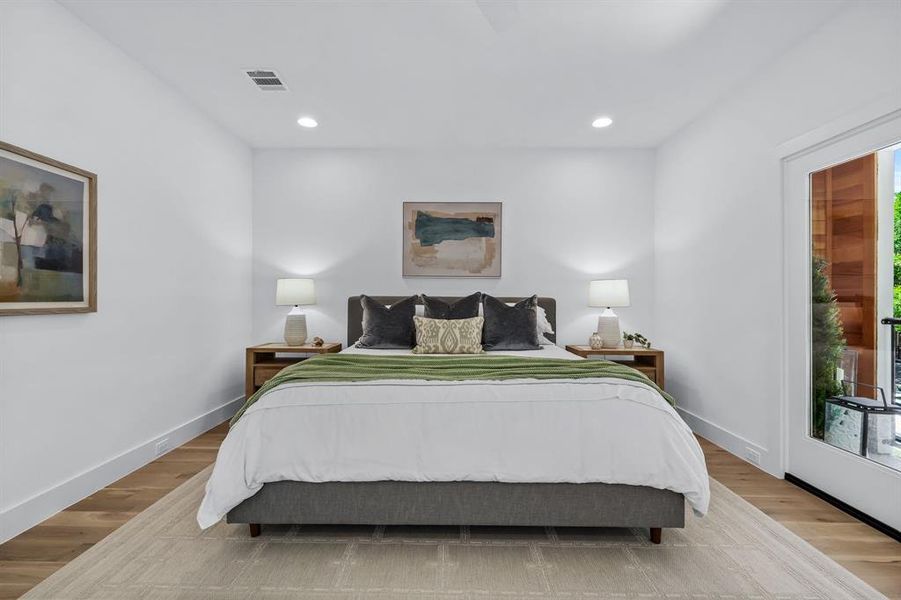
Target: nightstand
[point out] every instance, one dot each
(647, 360)
(263, 363)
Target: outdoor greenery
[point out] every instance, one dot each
(828, 341)
(897, 284)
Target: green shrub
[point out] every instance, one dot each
(827, 344)
(897, 280)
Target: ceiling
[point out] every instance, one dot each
(455, 73)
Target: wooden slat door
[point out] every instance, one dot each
(843, 222)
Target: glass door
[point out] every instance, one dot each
(843, 278)
(852, 313)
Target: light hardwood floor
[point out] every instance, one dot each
(32, 556)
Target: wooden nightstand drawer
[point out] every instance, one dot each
(649, 372)
(647, 360)
(263, 373)
(266, 360)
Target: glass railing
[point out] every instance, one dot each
(895, 324)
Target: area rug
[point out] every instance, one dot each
(736, 551)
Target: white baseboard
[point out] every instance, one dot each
(39, 507)
(733, 443)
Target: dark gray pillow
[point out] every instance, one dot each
(464, 308)
(510, 327)
(385, 327)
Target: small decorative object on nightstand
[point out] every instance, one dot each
(609, 293)
(630, 339)
(647, 360)
(596, 342)
(263, 361)
(295, 292)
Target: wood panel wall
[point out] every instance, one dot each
(843, 228)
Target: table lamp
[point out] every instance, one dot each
(609, 293)
(295, 292)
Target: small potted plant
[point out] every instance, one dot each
(641, 340)
(630, 339)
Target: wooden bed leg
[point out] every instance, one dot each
(656, 534)
(255, 529)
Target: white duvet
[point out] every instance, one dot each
(574, 431)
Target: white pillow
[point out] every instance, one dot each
(544, 326)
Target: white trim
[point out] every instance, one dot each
(844, 126)
(28, 513)
(885, 254)
(785, 346)
(731, 442)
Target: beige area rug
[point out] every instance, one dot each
(734, 552)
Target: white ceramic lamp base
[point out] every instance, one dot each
(295, 328)
(608, 329)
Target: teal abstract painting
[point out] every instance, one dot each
(452, 239)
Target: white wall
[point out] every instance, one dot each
(83, 397)
(569, 216)
(718, 224)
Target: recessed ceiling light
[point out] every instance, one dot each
(308, 122)
(602, 122)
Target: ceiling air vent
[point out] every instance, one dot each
(267, 80)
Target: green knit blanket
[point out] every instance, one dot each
(364, 367)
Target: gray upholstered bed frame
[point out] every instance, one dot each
(460, 502)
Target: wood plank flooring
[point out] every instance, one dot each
(869, 554)
(32, 556)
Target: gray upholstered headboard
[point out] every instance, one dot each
(355, 312)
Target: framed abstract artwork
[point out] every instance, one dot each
(452, 239)
(48, 235)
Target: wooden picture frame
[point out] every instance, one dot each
(452, 239)
(48, 235)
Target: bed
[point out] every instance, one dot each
(588, 453)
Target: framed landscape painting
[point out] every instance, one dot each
(452, 239)
(48, 235)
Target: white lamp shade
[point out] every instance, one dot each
(290, 292)
(609, 292)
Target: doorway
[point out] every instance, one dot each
(843, 283)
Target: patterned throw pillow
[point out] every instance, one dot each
(448, 336)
